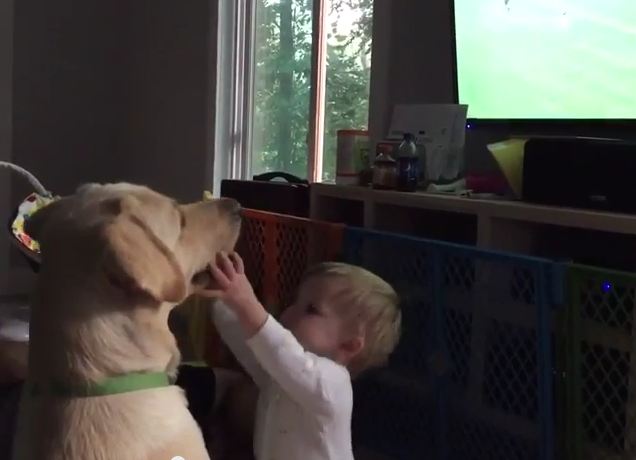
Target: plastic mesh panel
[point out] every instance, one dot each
(511, 371)
(490, 309)
(604, 394)
(601, 364)
(408, 270)
(379, 399)
(458, 338)
(478, 440)
(476, 342)
(250, 246)
(277, 249)
(292, 244)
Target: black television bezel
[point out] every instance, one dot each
(525, 125)
(554, 125)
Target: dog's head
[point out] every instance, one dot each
(134, 240)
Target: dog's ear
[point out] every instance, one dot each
(138, 261)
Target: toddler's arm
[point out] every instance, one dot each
(311, 381)
(230, 331)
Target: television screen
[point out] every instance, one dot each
(547, 59)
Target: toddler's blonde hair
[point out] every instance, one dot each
(375, 306)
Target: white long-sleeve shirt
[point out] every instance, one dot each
(305, 401)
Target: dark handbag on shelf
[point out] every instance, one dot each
(265, 193)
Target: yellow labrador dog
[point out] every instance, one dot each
(115, 259)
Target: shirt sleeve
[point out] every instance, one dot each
(232, 335)
(313, 382)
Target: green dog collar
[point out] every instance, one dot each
(111, 386)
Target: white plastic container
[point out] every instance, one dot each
(352, 156)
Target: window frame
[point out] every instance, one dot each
(231, 132)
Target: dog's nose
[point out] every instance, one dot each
(230, 206)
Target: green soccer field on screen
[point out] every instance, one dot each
(535, 59)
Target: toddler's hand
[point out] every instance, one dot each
(231, 284)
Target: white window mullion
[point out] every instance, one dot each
(229, 137)
(243, 91)
(318, 90)
(233, 110)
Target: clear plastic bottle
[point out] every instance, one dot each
(408, 167)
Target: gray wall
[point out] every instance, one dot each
(414, 62)
(413, 57)
(108, 90)
(167, 132)
(115, 90)
(68, 73)
(6, 66)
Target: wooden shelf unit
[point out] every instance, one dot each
(578, 235)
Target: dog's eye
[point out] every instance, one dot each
(312, 310)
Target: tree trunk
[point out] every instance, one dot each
(286, 85)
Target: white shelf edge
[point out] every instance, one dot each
(497, 209)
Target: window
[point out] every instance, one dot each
(348, 74)
(282, 82)
(307, 75)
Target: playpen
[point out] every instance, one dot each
(502, 356)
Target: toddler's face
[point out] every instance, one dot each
(316, 317)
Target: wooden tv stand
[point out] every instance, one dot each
(578, 235)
